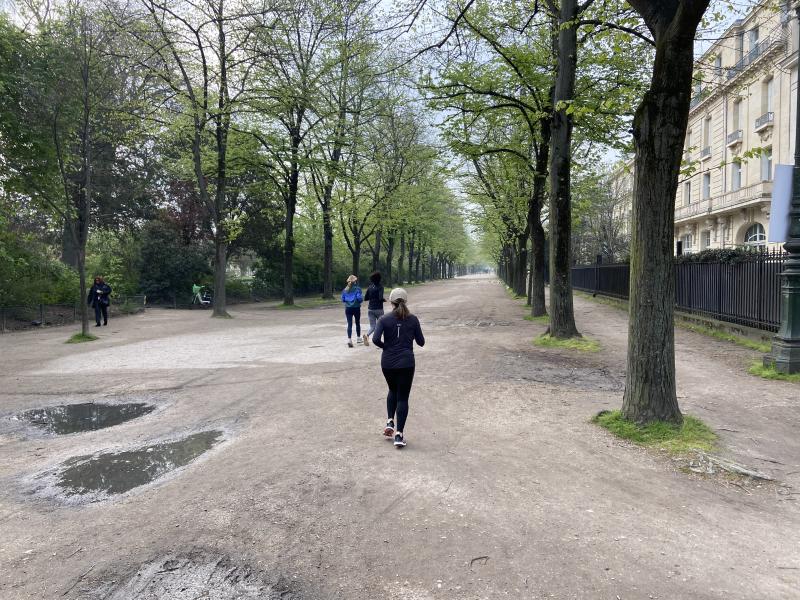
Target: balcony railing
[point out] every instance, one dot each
(764, 120)
(692, 210)
(705, 152)
(751, 193)
(734, 137)
(776, 38)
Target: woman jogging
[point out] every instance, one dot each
(374, 298)
(399, 330)
(99, 299)
(351, 296)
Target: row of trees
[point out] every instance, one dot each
(223, 120)
(531, 92)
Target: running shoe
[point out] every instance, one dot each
(388, 431)
(366, 340)
(349, 343)
(360, 341)
(399, 441)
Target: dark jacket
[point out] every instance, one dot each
(398, 340)
(99, 295)
(374, 296)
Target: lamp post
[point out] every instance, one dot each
(786, 343)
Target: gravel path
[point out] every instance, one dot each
(504, 491)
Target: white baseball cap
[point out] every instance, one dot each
(398, 294)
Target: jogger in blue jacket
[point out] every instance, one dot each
(352, 298)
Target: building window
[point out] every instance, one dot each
(767, 100)
(707, 132)
(755, 235)
(718, 65)
(736, 175)
(706, 240)
(737, 114)
(706, 186)
(687, 193)
(753, 38)
(766, 165)
(686, 242)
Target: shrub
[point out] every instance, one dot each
(713, 255)
(30, 275)
(169, 268)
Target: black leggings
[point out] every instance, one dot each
(399, 382)
(100, 309)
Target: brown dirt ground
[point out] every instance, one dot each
(504, 491)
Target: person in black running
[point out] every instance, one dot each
(374, 297)
(399, 330)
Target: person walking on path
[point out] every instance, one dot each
(351, 296)
(374, 298)
(399, 330)
(99, 298)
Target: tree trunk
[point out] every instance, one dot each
(290, 203)
(220, 272)
(327, 264)
(538, 240)
(389, 257)
(288, 255)
(411, 258)
(416, 267)
(522, 265)
(376, 252)
(356, 253)
(562, 318)
(659, 129)
(400, 258)
(222, 120)
(84, 306)
(69, 251)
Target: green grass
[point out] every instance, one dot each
(720, 335)
(582, 344)
(728, 337)
(693, 434)
(514, 296)
(79, 338)
(770, 372)
(541, 319)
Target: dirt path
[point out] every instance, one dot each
(504, 491)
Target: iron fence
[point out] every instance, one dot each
(746, 291)
(19, 318)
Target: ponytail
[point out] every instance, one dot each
(400, 309)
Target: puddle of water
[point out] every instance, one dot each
(87, 416)
(119, 472)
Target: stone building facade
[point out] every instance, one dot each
(741, 124)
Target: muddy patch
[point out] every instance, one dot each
(556, 370)
(193, 576)
(459, 322)
(86, 416)
(96, 477)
